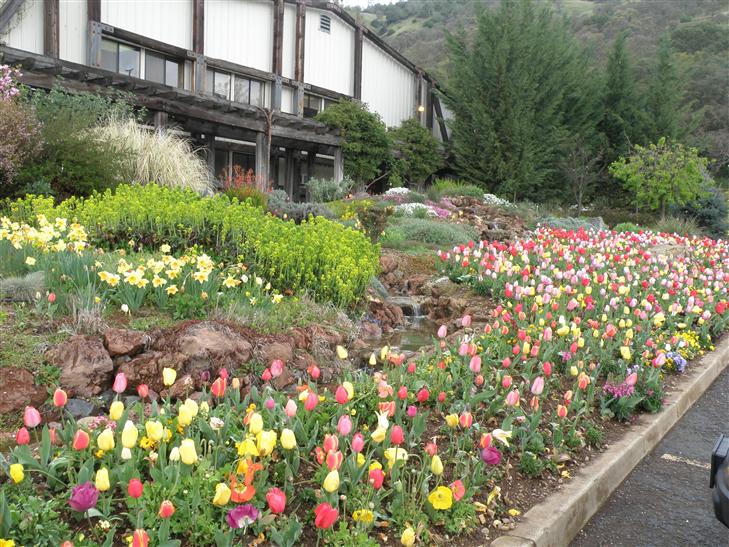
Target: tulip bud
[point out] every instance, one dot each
(60, 398)
(120, 383)
(288, 439)
(80, 440)
(312, 399)
(105, 440)
(396, 435)
(412, 411)
(143, 391)
(357, 442)
(102, 480)
(290, 408)
(116, 410)
(344, 425)
(169, 375)
(166, 509)
(331, 481)
(436, 465)
(341, 395)
(135, 488)
(31, 417)
(22, 437)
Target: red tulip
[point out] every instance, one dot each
(325, 515)
(377, 477)
(140, 538)
(276, 499)
(412, 367)
(423, 395)
(314, 372)
(31, 417)
(402, 393)
(331, 443)
(60, 398)
(51, 297)
(80, 440)
(396, 435)
(547, 367)
(441, 397)
(266, 376)
(120, 383)
(143, 390)
(22, 436)
(166, 509)
(135, 488)
(431, 449)
(341, 395)
(218, 387)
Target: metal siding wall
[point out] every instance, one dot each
(329, 59)
(169, 21)
(73, 30)
(26, 28)
(287, 100)
(289, 41)
(388, 87)
(240, 31)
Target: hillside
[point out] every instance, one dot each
(699, 30)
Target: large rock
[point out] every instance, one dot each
(210, 346)
(86, 367)
(388, 263)
(282, 350)
(18, 389)
(125, 342)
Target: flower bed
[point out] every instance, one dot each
(589, 325)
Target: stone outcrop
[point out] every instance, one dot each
(86, 367)
(18, 390)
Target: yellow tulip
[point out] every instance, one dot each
(175, 454)
(102, 480)
(452, 420)
(564, 330)
(168, 376)
(17, 472)
(288, 439)
(383, 352)
(574, 371)
(255, 424)
(360, 459)
(188, 455)
(374, 464)
(204, 407)
(129, 435)
(378, 435)
(373, 359)
(192, 407)
(184, 416)
(116, 410)
(247, 447)
(266, 442)
(349, 388)
(408, 537)
(436, 465)
(331, 481)
(341, 352)
(154, 430)
(222, 494)
(105, 440)
(393, 455)
(625, 353)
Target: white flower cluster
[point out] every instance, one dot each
(491, 199)
(397, 191)
(409, 209)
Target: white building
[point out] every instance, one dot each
(241, 77)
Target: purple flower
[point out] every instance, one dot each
(242, 516)
(83, 497)
(491, 455)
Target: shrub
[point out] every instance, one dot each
(242, 186)
(417, 154)
(627, 227)
(20, 141)
(331, 261)
(678, 225)
(161, 157)
(73, 160)
(373, 218)
(323, 190)
(709, 211)
(448, 187)
(432, 232)
(572, 223)
(280, 205)
(365, 143)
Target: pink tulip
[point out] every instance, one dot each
(396, 435)
(120, 383)
(344, 425)
(463, 349)
(411, 368)
(276, 499)
(357, 442)
(290, 408)
(475, 364)
(512, 399)
(466, 321)
(538, 385)
(31, 417)
(506, 382)
(547, 367)
(277, 368)
(423, 395)
(506, 363)
(270, 404)
(266, 375)
(22, 436)
(312, 399)
(341, 395)
(60, 398)
(466, 419)
(442, 331)
(402, 393)
(632, 379)
(412, 411)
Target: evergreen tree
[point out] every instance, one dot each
(518, 91)
(622, 120)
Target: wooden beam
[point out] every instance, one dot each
(93, 8)
(8, 11)
(300, 40)
(429, 107)
(289, 173)
(50, 28)
(262, 160)
(278, 21)
(198, 26)
(299, 101)
(358, 39)
(441, 120)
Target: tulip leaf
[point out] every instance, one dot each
(6, 519)
(109, 540)
(45, 447)
(94, 512)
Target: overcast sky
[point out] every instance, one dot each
(364, 3)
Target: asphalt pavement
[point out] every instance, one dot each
(666, 501)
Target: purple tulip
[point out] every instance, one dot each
(83, 497)
(491, 455)
(242, 516)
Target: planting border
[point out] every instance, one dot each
(556, 520)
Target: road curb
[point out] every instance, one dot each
(556, 520)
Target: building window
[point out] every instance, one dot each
(248, 91)
(121, 58)
(325, 23)
(313, 104)
(218, 83)
(163, 70)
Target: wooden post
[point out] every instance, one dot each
(276, 93)
(441, 120)
(299, 101)
(358, 39)
(278, 21)
(199, 74)
(310, 167)
(429, 107)
(93, 8)
(338, 164)
(300, 40)
(289, 173)
(198, 26)
(262, 160)
(211, 154)
(51, 28)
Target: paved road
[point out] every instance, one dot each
(666, 501)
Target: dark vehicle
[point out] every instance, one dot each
(719, 480)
